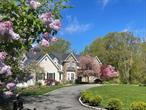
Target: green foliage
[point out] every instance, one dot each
(61, 46)
(85, 97)
(138, 106)
(126, 93)
(25, 20)
(95, 100)
(124, 51)
(114, 104)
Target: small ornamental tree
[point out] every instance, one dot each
(89, 67)
(108, 72)
(25, 25)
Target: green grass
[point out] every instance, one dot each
(126, 93)
(38, 90)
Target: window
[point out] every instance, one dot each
(72, 76)
(51, 75)
(40, 76)
(46, 59)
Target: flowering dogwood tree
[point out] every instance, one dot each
(25, 25)
(108, 72)
(90, 67)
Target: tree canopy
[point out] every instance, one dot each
(124, 51)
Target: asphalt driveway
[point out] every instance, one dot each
(61, 99)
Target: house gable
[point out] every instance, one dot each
(71, 57)
(48, 59)
(98, 60)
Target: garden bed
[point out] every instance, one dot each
(126, 94)
(38, 90)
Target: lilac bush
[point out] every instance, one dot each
(24, 25)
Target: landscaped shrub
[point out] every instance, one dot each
(114, 104)
(50, 81)
(85, 97)
(144, 81)
(95, 100)
(138, 106)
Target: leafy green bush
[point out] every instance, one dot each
(144, 80)
(85, 97)
(138, 106)
(95, 100)
(114, 104)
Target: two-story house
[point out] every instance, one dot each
(58, 66)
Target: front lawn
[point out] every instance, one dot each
(38, 90)
(126, 93)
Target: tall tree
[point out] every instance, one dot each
(122, 50)
(61, 46)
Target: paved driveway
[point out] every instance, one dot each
(62, 99)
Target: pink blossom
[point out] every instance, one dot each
(13, 35)
(56, 25)
(45, 43)
(108, 72)
(8, 93)
(7, 30)
(34, 4)
(10, 86)
(3, 56)
(6, 70)
(46, 18)
(5, 27)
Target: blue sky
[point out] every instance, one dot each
(90, 19)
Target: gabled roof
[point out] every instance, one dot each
(31, 56)
(60, 56)
(71, 54)
(46, 55)
(98, 60)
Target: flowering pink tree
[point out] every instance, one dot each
(108, 72)
(24, 25)
(89, 67)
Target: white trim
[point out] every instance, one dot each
(98, 60)
(71, 54)
(87, 106)
(46, 55)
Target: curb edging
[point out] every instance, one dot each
(87, 106)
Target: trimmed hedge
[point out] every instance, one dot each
(95, 100)
(114, 104)
(87, 97)
(138, 105)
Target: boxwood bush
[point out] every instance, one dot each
(85, 97)
(138, 105)
(95, 100)
(114, 104)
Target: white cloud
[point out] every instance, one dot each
(73, 25)
(125, 30)
(104, 3)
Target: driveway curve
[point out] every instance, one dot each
(61, 99)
